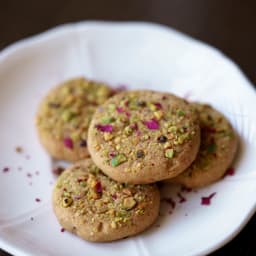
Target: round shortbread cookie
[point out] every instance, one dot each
(217, 151)
(64, 115)
(98, 209)
(144, 136)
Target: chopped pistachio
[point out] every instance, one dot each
(118, 147)
(117, 140)
(158, 114)
(180, 112)
(172, 129)
(107, 136)
(133, 104)
(145, 137)
(140, 154)
(129, 203)
(152, 106)
(67, 115)
(65, 90)
(117, 160)
(75, 136)
(107, 120)
(83, 183)
(211, 148)
(67, 201)
(128, 130)
(169, 153)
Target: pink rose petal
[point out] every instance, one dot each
(230, 172)
(152, 124)
(68, 143)
(127, 114)
(119, 110)
(158, 105)
(207, 200)
(98, 187)
(104, 127)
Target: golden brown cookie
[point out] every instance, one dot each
(64, 116)
(98, 209)
(144, 136)
(217, 151)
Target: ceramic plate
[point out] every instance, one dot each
(138, 55)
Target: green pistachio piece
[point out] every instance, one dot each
(117, 160)
(169, 153)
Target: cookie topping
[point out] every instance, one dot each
(211, 148)
(101, 199)
(68, 143)
(67, 111)
(140, 121)
(129, 203)
(162, 139)
(83, 143)
(104, 128)
(117, 160)
(141, 103)
(140, 154)
(98, 187)
(152, 124)
(67, 201)
(169, 153)
(120, 110)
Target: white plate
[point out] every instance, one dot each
(139, 55)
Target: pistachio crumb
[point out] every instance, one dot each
(169, 153)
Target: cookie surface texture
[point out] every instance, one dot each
(98, 209)
(145, 136)
(64, 115)
(218, 148)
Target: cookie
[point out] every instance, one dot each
(64, 115)
(140, 137)
(98, 209)
(218, 148)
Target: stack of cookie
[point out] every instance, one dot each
(126, 142)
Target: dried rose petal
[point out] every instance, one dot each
(104, 127)
(6, 169)
(158, 105)
(134, 126)
(83, 143)
(152, 124)
(119, 110)
(98, 187)
(230, 172)
(138, 133)
(128, 114)
(207, 200)
(186, 189)
(112, 154)
(170, 201)
(182, 198)
(78, 197)
(68, 142)
(29, 175)
(58, 170)
(114, 196)
(208, 129)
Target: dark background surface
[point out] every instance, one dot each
(229, 25)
